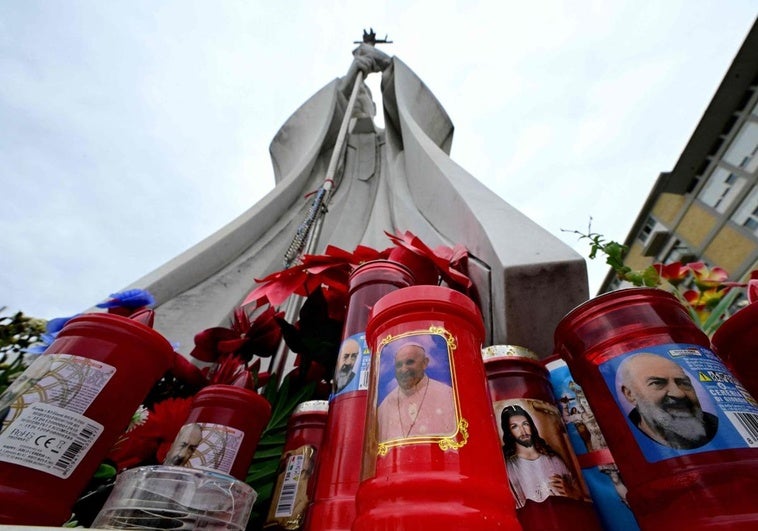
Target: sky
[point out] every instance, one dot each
(131, 130)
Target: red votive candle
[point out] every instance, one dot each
(222, 430)
(682, 432)
(296, 480)
(432, 457)
(736, 342)
(543, 471)
(63, 414)
(339, 465)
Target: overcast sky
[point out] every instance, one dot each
(130, 130)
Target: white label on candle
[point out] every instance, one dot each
(48, 438)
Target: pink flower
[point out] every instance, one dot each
(708, 277)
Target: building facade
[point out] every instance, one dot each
(706, 208)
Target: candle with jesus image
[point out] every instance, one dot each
(543, 472)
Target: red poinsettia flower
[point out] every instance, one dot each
(231, 369)
(133, 450)
(149, 442)
(674, 273)
(315, 336)
(331, 269)
(184, 371)
(429, 264)
(165, 420)
(314, 373)
(246, 339)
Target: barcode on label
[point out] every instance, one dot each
(288, 492)
(286, 500)
(363, 384)
(70, 455)
(747, 425)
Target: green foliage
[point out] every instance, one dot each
(17, 333)
(263, 470)
(614, 256)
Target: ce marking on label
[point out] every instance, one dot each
(47, 443)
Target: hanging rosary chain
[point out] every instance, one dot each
(307, 234)
(317, 208)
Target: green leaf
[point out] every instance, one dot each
(271, 439)
(265, 492)
(270, 393)
(262, 471)
(650, 277)
(269, 452)
(281, 398)
(105, 471)
(281, 415)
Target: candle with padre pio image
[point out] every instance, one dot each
(543, 472)
(339, 471)
(431, 452)
(681, 428)
(221, 431)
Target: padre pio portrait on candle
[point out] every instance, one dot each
(665, 403)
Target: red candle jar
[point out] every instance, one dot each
(60, 417)
(432, 458)
(339, 465)
(543, 471)
(683, 434)
(222, 430)
(296, 480)
(736, 342)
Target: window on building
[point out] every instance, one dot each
(647, 229)
(743, 152)
(746, 214)
(680, 252)
(721, 189)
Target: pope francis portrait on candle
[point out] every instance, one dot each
(417, 405)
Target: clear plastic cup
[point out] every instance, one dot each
(169, 497)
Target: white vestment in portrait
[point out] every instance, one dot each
(428, 409)
(530, 478)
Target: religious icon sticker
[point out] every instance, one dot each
(602, 476)
(680, 399)
(353, 363)
(536, 452)
(205, 445)
(417, 396)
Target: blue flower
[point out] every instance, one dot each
(131, 298)
(52, 328)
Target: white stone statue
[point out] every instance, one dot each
(397, 179)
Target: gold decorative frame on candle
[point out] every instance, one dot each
(452, 441)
